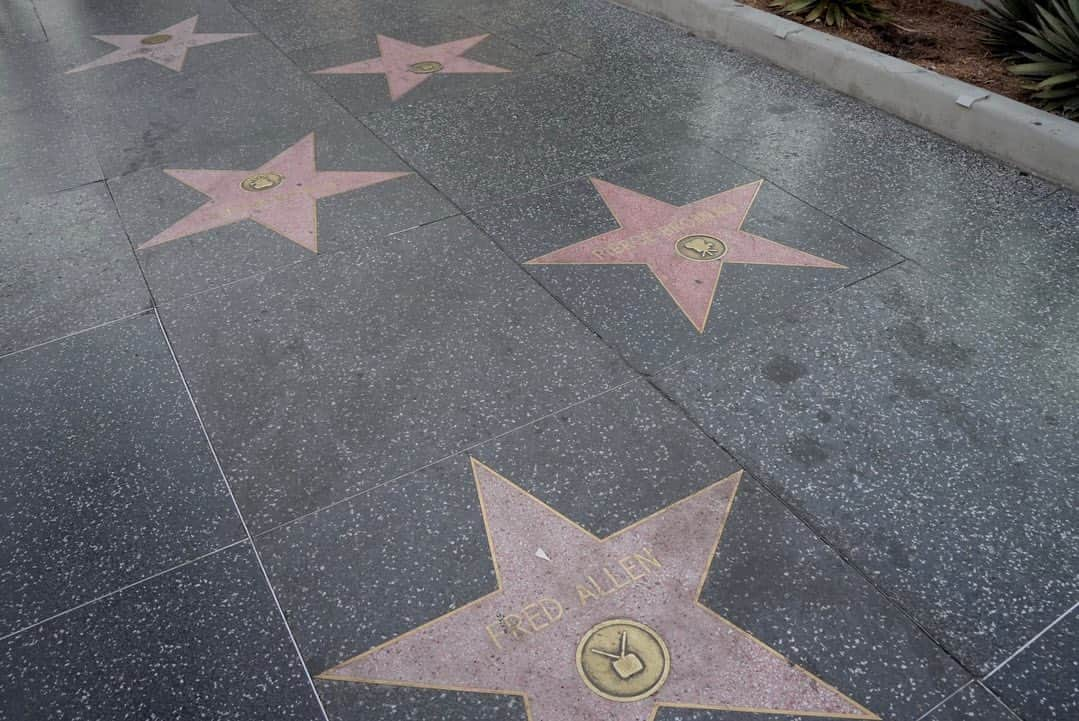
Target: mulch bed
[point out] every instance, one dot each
(935, 34)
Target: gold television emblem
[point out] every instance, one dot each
(622, 660)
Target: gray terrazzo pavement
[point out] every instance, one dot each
(282, 440)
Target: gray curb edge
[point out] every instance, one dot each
(1031, 139)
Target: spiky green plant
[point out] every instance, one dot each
(832, 12)
(1053, 57)
(1002, 23)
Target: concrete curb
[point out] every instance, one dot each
(1044, 144)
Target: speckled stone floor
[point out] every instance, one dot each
(515, 360)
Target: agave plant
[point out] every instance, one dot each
(832, 12)
(1053, 57)
(1002, 23)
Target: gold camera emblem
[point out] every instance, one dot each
(701, 247)
(622, 660)
(262, 181)
(425, 67)
(156, 39)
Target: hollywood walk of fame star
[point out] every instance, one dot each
(166, 47)
(281, 195)
(407, 66)
(685, 246)
(559, 587)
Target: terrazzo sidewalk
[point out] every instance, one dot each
(515, 360)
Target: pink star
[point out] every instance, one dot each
(166, 47)
(557, 582)
(406, 65)
(280, 195)
(685, 246)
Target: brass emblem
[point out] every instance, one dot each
(156, 39)
(425, 67)
(701, 247)
(622, 660)
(262, 181)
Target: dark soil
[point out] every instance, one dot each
(935, 34)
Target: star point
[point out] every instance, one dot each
(406, 66)
(522, 638)
(685, 247)
(167, 47)
(280, 195)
